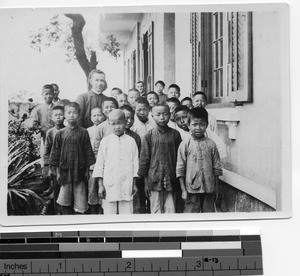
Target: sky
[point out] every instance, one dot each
(23, 68)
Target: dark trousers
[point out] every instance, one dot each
(200, 203)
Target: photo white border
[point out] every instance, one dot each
(286, 193)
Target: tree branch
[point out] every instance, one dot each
(78, 24)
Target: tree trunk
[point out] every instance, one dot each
(78, 24)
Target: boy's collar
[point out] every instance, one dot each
(72, 126)
(59, 126)
(144, 122)
(198, 139)
(122, 135)
(162, 129)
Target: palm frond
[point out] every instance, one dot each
(23, 169)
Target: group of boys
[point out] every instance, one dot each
(143, 153)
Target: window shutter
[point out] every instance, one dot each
(150, 56)
(194, 40)
(240, 56)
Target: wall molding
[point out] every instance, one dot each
(229, 117)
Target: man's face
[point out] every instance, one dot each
(98, 82)
(140, 87)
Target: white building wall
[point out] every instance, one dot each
(131, 47)
(256, 153)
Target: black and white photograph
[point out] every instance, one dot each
(143, 113)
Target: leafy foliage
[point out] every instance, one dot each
(58, 32)
(24, 181)
(112, 46)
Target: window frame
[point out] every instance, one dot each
(236, 58)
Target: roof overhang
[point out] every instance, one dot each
(120, 25)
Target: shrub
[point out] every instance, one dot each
(24, 171)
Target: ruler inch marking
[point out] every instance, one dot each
(252, 272)
(199, 255)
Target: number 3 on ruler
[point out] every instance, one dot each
(198, 263)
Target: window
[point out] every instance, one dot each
(223, 49)
(217, 43)
(147, 57)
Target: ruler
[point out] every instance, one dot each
(131, 253)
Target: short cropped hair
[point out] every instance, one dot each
(182, 108)
(49, 86)
(117, 88)
(140, 82)
(173, 85)
(133, 90)
(128, 108)
(110, 99)
(63, 102)
(97, 107)
(142, 100)
(186, 99)
(74, 105)
(153, 93)
(199, 113)
(54, 84)
(161, 105)
(160, 82)
(173, 100)
(200, 93)
(58, 107)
